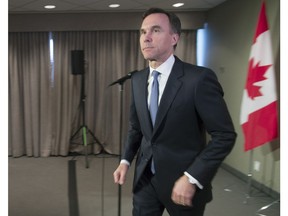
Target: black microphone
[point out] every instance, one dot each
(123, 79)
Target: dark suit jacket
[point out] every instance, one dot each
(192, 103)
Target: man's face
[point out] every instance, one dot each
(156, 38)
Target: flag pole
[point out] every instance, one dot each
(250, 177)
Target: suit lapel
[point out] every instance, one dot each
(141, 97)
(171, 89)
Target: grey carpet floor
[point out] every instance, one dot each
(39, 187)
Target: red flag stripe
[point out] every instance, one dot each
(260, 127)
(262, 25)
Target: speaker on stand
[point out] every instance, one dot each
(78, 68)
(77, 62)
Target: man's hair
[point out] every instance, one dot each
(175, 22)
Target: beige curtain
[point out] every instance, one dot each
(44, 97)
(29, 94)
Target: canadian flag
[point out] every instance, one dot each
(259, 103)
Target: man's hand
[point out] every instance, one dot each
(183, 191)
(120, 174)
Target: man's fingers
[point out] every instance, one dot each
(182, 200)
(121, 179)
(120, 174)
(116, 177)
(183, 192)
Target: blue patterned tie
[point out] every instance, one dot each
(154, 104)
(154, 96)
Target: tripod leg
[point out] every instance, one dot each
(74, 135)
(84, 136)
(98, 142)
(94, 137)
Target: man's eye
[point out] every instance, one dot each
(142, 32)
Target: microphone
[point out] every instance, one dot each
(123, 79)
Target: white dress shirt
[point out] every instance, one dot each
(164, 69)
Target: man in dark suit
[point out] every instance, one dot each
(175, 164)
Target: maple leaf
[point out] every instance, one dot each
(255, 74)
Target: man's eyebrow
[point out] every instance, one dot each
(152, 28)
(156, 27)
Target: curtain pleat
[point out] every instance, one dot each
(28, 93)
(45, 99)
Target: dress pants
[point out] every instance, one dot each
(148, 202)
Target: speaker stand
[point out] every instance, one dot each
(83, 130)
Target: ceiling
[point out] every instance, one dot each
(82, 6)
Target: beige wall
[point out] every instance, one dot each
(230, 29)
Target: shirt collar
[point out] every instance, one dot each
(166, 67)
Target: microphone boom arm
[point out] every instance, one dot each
(123, 79)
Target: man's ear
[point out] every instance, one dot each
(175, 39)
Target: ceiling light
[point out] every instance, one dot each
(178, 5)
(114, 5)
(49, 6)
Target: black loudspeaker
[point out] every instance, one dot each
(77, 60)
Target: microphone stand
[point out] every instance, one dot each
(121, 82)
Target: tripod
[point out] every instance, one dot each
(83, 130)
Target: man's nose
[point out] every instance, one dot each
(148, 37)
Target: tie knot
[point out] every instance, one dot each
(155, 74)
